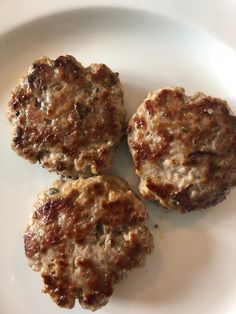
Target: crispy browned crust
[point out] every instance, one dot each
(67, 117)
(184, 149)
(84, 236)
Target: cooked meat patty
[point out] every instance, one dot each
(184, 149)
(67, 117)
(84, 236)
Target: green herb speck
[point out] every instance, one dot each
(99, 229)
(82, 110)
(52, 191)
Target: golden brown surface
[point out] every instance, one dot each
(67, 117)
(184, 149)
(84, 236)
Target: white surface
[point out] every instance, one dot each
(192, 269)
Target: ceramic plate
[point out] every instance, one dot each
(192, 269)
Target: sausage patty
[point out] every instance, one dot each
(83, 236)
(184, 149)
(67, 117)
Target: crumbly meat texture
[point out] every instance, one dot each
(67, 117)
(184, 149)
(83, 236)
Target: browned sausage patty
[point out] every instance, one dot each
(84, 236)
(184, 149)
(67, 117)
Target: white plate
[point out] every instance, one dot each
(192, 269)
